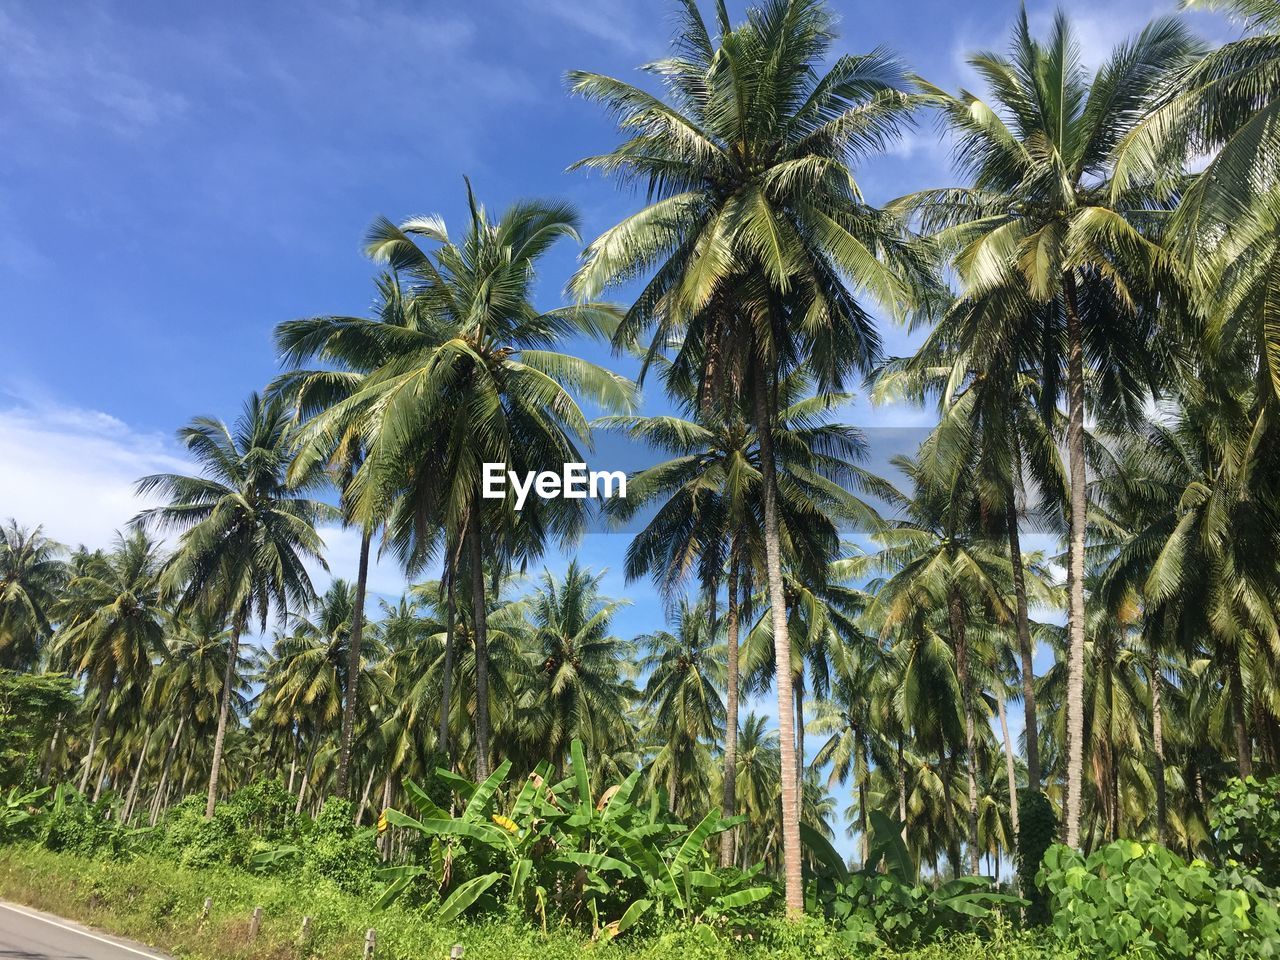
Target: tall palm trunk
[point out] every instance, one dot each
(729, 799)
(103, 696)
(902, 791)
(224, 711)
(1075, 563)
(1244, 749)
(1025, 649)
(799, 689)
(127, 810)
(446, 687)
(306, 773)
(356, 642)
(1009, 771)
(1157, 741)
(364, 797)
(164, 773)
(781, 650)
(482, 652)
(961, 642)
(862, 772)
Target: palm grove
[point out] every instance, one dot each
(1100, 288)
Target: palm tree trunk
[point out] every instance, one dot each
(1009, 771)
(729, 800)
(1025, 649)
(482, 652)
(446, 691)
(1075, 562)
(127, 810)
(364, 797)
(102, 776)
(799, 691)
(224, 712)
(862, 772)
(1157, 744)
(355, 642)
(1244, 749)
(93, 739)
(902, 791)
(960, 639)
(306, 773)
(164, 773)
(781, 650)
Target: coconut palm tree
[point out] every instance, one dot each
(754, 222)
(582, 671)
(245, 535)
(469, 380)
(32, 573)
(1042, 214)
(686, 672)
(113, 623)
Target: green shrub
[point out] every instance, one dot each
(1037, 831)
(1246, 831)
(1143, 900)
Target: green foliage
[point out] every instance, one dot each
(74, 824)
(19, 813)
(147, 898)
(30, 707)
(1143, 900)
(542, 848)
(1037, 831)
(1246, 830)
(890, 908)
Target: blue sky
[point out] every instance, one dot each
(177, 178)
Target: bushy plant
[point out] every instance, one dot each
(1141, 899)
(1037, 831)
(334, 849)
(884, 905)
(559, 847)
(71, 823)
(1246, 831)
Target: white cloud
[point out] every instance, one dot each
(73, 470)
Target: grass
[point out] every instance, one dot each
(149, 900)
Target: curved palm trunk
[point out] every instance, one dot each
(164, 773)
(224, 711)
(356, 642)
(93, 738)
(729, 800)
(446, 691)
(127, 810)
(1075, 563)
(961, 642)
(1009, 771)
(902, 791)
(782, 655)
(1025, 649)
(306, 773)
(482, 653)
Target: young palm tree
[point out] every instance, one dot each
(686, 672)
(312, 391)
(113, 624)
(245, 533)
(754, 223)
(583, 685)
(1042, 215)
(32, 573)
(469, 380)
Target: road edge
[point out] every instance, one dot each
(93, 933)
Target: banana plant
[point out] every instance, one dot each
(598, 857)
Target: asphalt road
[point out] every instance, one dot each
(27, 934)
